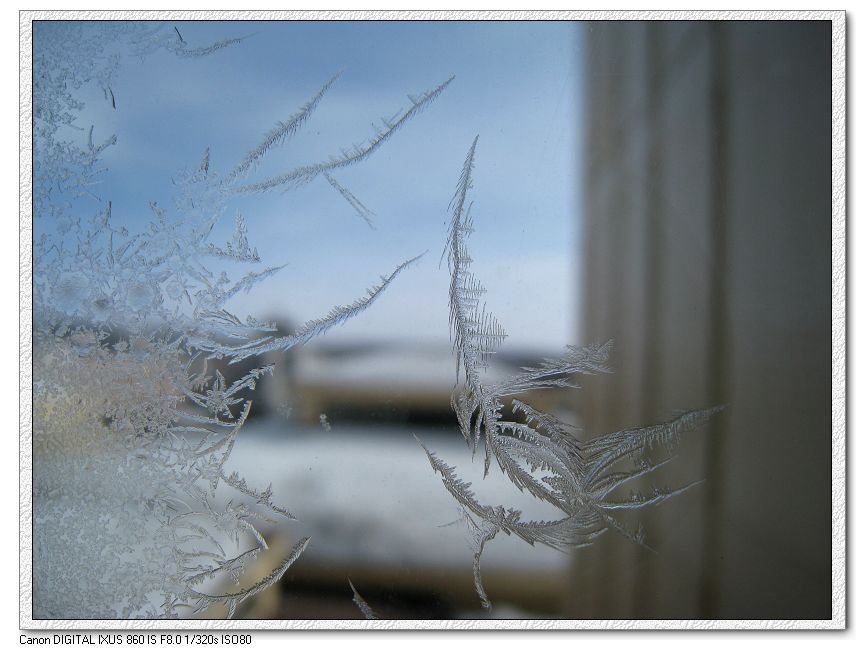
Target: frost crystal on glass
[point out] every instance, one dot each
(135, 411)
(537, 452)
(135, 514)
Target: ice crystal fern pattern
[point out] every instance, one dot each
(539, 453)
(134, 513)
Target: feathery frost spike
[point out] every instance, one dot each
(245, 284)
(233, 600)
(263, 498)
(186, 52)
(313, 328)
(458, 202)
(604, 451)
(283, 130)
(480, 534)
(362, 605)
(476, 333)
(589, 360)
(302, 175)
(363, 212)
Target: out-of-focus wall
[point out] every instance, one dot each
(706, 255)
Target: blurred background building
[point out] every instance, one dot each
(707, 259)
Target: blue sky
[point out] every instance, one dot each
(517, 86)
